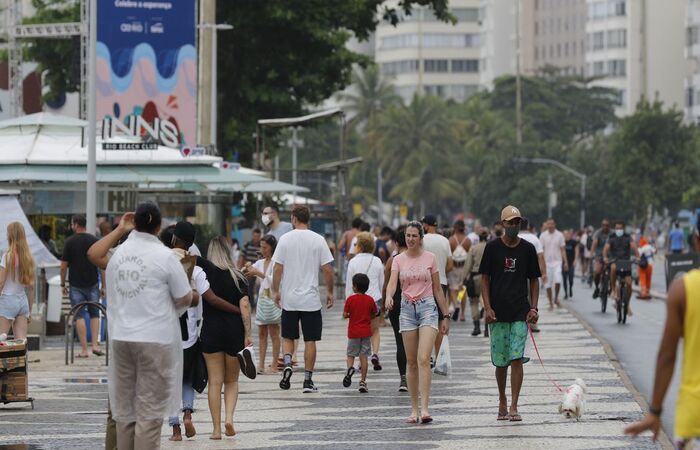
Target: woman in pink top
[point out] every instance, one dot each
(420, 314)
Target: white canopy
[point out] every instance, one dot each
(12, 212)
(44, 138)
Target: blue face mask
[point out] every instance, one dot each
(619, 233)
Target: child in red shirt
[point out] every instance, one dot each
(359, 308)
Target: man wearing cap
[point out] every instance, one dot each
(439, 246)
(509, 272)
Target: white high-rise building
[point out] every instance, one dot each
(636, 46)
(425, 55)
(692, 54)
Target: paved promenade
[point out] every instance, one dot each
(71, 401)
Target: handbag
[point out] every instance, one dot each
(200, 375)
(471, 286)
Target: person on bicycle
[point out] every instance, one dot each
(620, 247)
(599, 238)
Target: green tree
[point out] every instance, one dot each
(654, 159)
(58, 59)
(370, 94)
(284, 56)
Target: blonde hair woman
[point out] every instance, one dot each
(365, 262)
(16, 276)
(224, 334)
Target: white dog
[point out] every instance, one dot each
(573, 403)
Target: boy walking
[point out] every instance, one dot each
(359, 308)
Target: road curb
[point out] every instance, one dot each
(663, 438)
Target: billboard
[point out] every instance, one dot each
(147, 68)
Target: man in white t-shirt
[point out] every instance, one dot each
(298, 257)
(553, 244)
(474, 235)
(439, 246)
(147, 289)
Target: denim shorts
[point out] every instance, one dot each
(421, 313)
(88, 294)
(13, 305)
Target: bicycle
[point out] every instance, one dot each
(625, 293)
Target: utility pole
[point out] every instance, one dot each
(294, 143)
(91, 207)
(213, 99)
(518, 87)
(380, 195)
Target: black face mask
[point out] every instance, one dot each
(512, 232)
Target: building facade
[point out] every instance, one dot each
(636, 47)
(424, 55)
(692, 55)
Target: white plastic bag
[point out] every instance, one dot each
(443, 365)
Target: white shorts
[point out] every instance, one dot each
(553, 275)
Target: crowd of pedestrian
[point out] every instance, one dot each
(180, 321)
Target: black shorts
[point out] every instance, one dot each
(311, 324)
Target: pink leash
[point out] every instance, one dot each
(532, 337)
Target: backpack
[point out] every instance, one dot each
(589, 242)
(459, 255)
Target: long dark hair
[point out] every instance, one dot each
(270, 240)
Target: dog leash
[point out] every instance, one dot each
(537, 351)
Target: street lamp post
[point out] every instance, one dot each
(566, 168)
(91, 185)
(213, 99)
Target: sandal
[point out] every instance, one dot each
(411, 419)
(426, 419)
(515, 418)
(98, 353)
(503, 415)
(81, 356)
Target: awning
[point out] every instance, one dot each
(12, 212)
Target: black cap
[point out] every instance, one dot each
(429, 220)
(185, 232)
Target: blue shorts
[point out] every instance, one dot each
(13, 305)
(89, 294)
(421, 313)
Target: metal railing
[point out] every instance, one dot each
(70, 329)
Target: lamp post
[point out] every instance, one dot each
(91, 185)
(214, 27)
(566, 168)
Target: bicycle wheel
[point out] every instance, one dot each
(619, 304)
(625, 303)
(603, 294)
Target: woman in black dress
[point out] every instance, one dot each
(396, 310)
(224, 334)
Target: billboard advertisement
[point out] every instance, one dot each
(147, 68)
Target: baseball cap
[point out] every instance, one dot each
(185, 232)
(429, 220)
(510, 212)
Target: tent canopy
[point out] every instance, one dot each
(12, 212)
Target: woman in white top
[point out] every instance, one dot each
(267, 314)
(365, 262)
(16, 276)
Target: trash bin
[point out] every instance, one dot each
(55, 300)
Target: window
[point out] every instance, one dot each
(689, 97)
(466, 14)
(435, 65)
(399, 41)
(596, 41)
(397, 67)
(437, 90)
(558, 50)
(461, 92)
(617, 8)
(537, 53)
(464, 65)
(617, 68)
(617, 38)
(597, 10)
(537, 28)
(566, 49)
(598, 69)
(691, 35)
(621, 97)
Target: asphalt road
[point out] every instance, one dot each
(636, 344)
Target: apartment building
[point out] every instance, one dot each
(636, 47)
(692, 55)
(422, 54)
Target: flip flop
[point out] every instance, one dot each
(426, 419)
(503, 415)
(98, 353)
(515, 418)
(82, 356)
(412, 419)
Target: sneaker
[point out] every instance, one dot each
(245, 358)
(347, 381)
(403, 386)
(309, 387)
(596, 292)
(286, 375)
(363, 387)
(375, 362)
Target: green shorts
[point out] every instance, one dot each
(508, 343)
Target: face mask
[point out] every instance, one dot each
(512, 232)
(619, 233)
(499, 233)
(266, 219)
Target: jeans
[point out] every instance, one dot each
(187, 402)
(421, 313)
(88, 294)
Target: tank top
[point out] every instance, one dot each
(688, 404)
